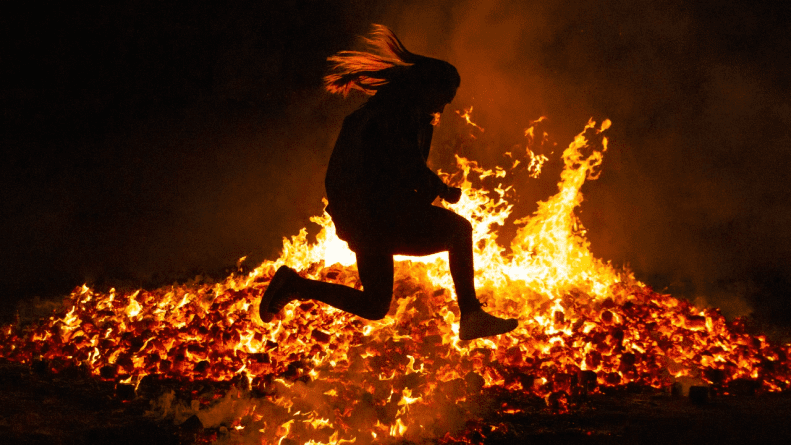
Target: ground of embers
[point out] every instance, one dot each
(600, 370)
(598, 356)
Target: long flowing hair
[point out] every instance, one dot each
(387, 62)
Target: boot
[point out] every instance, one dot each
(479, 324)
(278, 294)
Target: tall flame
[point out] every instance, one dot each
(317, 375)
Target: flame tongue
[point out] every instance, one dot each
(318, 375)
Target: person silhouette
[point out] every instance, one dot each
(380, 190)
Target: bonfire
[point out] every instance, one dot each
(316, 375)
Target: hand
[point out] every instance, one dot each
(452, 195)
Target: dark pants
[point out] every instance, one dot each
(416, 231)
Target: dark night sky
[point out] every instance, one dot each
(146, 142)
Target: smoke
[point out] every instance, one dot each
(693, 194)
(155, 143)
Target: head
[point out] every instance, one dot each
(393, 73)
(430, 85)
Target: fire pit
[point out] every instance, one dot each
(597, 351)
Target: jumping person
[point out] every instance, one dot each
(380, 190)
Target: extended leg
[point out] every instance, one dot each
(372, 303)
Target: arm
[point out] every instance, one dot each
(418, 176)
(435, 185)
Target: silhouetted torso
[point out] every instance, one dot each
(378, 170)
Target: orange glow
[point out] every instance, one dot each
(320, 376)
